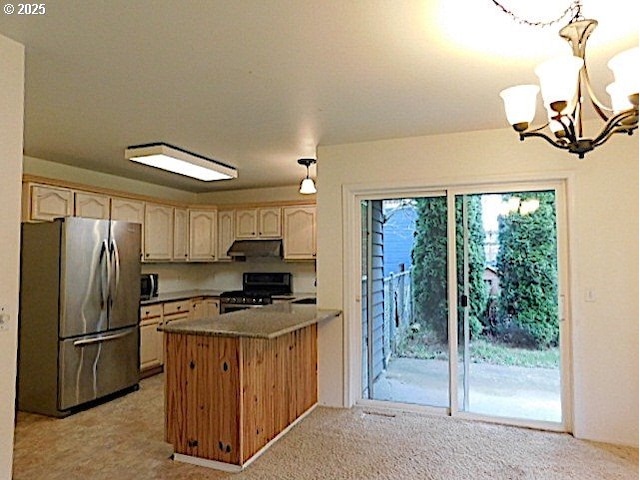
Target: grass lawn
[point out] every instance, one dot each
(483, 351)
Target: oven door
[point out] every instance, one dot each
(234, 307)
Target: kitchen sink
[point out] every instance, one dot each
(305, 301)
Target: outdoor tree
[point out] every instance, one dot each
(527, 266)
(477, 261)
(430, 264)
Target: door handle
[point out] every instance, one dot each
(105, 271)
(106, 338)
(114, 257)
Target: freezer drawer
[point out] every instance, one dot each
(97, 365)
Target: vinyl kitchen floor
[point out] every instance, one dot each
(121, 439)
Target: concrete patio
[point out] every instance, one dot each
(495, 390)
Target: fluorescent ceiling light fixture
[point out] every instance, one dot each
(176, 160)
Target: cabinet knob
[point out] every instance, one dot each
(147, 255)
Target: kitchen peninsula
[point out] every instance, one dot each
(236, 382)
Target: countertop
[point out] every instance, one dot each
(266, 322)
(187, 294)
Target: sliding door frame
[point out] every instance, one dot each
(353, 194)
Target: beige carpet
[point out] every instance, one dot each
(123, 440)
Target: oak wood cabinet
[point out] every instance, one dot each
(127, 210)
(180, 234)
(92, 205)
(158, 232)
(151, 341)
(259, 222)
(299, 233)
(204, 308)
(226, 233)
(203, 225)
(46, 202)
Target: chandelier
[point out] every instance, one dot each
(565, 85)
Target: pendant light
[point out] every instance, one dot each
(307, 186)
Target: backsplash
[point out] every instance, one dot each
(226, 276)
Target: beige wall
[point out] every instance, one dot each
(272, 194)
(58, 171)
(11, 121)
(603, 229)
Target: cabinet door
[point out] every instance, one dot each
(247, 223)
(127, 210)
(202, 238)
(299, 239)
(149, 345)
(226, 233)
(270, 222)
(151, 340)
(198, 309)
(212, 307)
(158, 232)
(91, 205)
(180, 235)
(48, 202)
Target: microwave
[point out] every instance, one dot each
(148, 286)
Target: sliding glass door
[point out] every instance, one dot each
(461, 302)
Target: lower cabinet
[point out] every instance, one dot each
(151, 341)
(204, 308)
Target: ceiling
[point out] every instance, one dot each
(258, 84)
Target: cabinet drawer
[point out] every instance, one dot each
(175, 307)
(150, 311)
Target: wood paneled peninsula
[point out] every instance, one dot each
(236, 382)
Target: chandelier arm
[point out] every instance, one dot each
(598, 106)
(618, 129)
(615, 125)
(537, 129)
(524, 135)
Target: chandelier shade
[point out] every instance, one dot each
(520, 104)
(559, 80)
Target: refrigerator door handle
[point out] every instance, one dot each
(115, 258)
(104, 271)
(105, 338)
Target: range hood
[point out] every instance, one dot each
(256, 248)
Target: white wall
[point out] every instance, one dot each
(11, 121)
(603, 226)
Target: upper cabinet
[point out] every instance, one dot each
(180, 234)
(226, 232)
(44, 202)
(127, 210)
(202, 235)
(299, 236)
(158, 232)
(259, 222)
(92, 205)
(173, 232)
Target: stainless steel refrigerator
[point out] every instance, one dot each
(79, 308)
